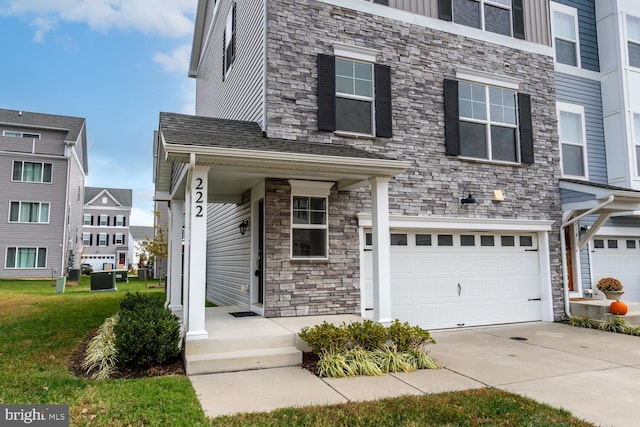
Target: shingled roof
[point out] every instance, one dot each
(73, 125)
(122, 195)
(181, 129)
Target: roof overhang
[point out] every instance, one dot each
(235, 170)
(601, 200)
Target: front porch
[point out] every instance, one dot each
(598, 309)
(252, 342)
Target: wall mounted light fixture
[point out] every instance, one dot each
(243, 226)
(468, 200)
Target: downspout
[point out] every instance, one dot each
(567, 308)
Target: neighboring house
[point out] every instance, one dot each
(105, 228)
(394, 161)
(595, 45)
(43, 164)
(137, 235)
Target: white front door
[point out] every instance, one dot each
(444, 279)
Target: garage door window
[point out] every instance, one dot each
(598, 244)
(398, 239)
(423, 239)
(445, 240)
(612, 244)
(467, 240)
(526, 241)
(487, 241)
(507, 241)
(631, 244)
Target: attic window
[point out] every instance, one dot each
(104, 200)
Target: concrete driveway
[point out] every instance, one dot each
(581, 370)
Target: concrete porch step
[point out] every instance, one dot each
(242, 360)
(239, 343)
(599, 309)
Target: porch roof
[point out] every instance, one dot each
(598, 199)
(242, 155)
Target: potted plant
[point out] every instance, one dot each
(612, 288)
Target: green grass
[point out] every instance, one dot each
(40, 330)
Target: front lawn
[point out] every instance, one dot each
(40, 331)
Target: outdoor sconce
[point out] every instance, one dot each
(243, 226)
(468, 200)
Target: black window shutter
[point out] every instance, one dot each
(526, 128)
(124, 221)
(107, 219)
(114, 239)
(445, 11)
(518, 18)
(91, 219)
(384, 2)
(451, 118)
(90, 239)
(383, 100)
(224, 55)
(115, 220)
(326, 92)
(233, 33)
(106, 240)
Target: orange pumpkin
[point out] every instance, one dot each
(618, 307)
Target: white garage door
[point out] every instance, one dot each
(618, 257)
(445, 279)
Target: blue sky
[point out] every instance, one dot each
(117, 63)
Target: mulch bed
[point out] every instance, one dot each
(75, 365)
(310, 362)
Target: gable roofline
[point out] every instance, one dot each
(72, 125)
(121, 196)
(198, 37)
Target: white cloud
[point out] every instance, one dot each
(140, 217)
(43, 26)
(176, 61)
(169, 18)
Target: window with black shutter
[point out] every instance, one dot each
(487, 122)
(504, 17)
(354, 96)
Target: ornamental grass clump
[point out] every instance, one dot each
(101, 354)
(609, 284)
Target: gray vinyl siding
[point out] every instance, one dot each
(228, 254)
(568, 196)
(178, 169)
(536, 12)
(49, 235)
(585, 267)
(241, 95)
(578, 90)
(76, 197)
(587, 32)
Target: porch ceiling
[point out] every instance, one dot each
(240, 156)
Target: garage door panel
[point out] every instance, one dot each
(618, 257)
(449, 286)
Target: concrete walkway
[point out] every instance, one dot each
(581, 370)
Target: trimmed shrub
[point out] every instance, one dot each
(369, 334)
(325, 338)
(146, 333)
(406, 337)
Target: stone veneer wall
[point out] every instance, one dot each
(420, 60)
(301, 288)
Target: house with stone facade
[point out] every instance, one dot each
(391, 159)
(596, 71)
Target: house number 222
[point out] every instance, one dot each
(199, 200)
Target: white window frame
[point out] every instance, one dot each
(228, 39)
(106, 220)
(315, 189)
(86, 219)
(487, 83)
(22, 163)
(40, 204)
(86, 239)
(103, 243)
(119, 221)
(17, 249)
(630, 40)
(18, 134)
(482, 15)
(573, 12)
(119, 239)
(579, 110)
(636, 141)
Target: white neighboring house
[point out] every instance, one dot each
(105, 228)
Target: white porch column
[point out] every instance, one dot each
(174, 288)
(197, 253)
(381, 249)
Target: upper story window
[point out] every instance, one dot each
(103, 220)
(229, 42)
(118, 239)
(15, 134)
(564, 24)
(26, 257)
(488, 122)
(103, 239)
(504, 17)
(31, 172)
(354, 93)
(572, 140)
(33, 212)
(86, 239)
(120, 222)
(636, 140)
(633, 40)
(87, 219)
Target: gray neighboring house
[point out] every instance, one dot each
(390, 159)
(43, 164)
(105, 228)
(595, 45)
(138, 234)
